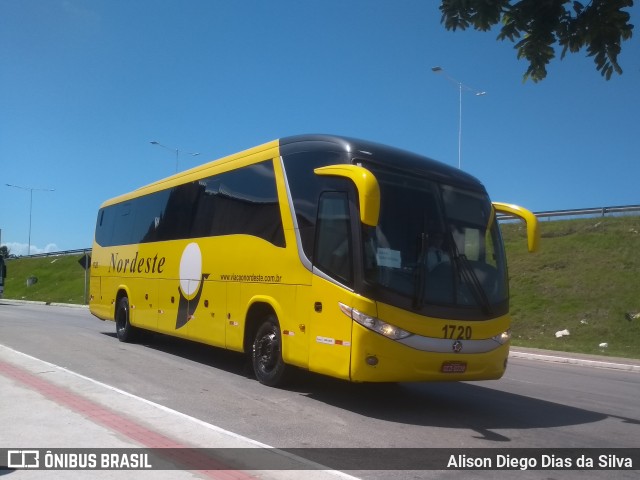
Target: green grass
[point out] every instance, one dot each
(60, 279)
(585, 278)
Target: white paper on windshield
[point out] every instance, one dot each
(388, 258)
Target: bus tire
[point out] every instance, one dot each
(266, 353)
(124, 330)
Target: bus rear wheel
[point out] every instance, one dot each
(266, 354)
(124, 330)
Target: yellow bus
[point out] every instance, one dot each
(335, 255)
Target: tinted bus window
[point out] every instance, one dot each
(243, 201)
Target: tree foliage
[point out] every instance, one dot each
(537, 26)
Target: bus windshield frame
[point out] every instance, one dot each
(437, 248)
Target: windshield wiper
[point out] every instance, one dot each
(419, 274)
(469, 276)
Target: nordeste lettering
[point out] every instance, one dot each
(137, 264)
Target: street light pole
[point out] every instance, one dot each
(193, 154)
(461, 86)
(30, 206)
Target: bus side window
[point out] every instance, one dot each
(333, 239)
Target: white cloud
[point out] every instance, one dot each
(20, 249)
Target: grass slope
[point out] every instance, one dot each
(60, 279)
(585, 279)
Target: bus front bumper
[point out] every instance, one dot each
(375, 358)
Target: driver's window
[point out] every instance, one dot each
(333, 241)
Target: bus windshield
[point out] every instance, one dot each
(435, 245)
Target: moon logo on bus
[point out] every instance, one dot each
(190, 269)
(191, 283)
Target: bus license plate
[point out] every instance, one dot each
(454, 367)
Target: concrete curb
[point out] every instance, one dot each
(624, 364)
(66, 409)
(12, 301)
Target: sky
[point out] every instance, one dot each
(86, 85)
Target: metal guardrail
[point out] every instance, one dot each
(583, 212)
(579, 212)
(599, 211)
(57, 254)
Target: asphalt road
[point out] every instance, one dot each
(537, 404)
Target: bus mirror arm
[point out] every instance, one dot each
(366, 184)
(533, 232)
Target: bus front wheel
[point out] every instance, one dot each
(124, 330)
(266, 354)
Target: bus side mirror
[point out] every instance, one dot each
(533, 232)
(366, 184)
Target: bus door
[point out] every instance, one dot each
(329, 328)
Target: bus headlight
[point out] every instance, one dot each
(503, 337)
(375, 324)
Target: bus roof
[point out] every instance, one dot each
(384, 155)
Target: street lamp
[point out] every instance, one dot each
(174, 150)
(461, 86)
(30, 205)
